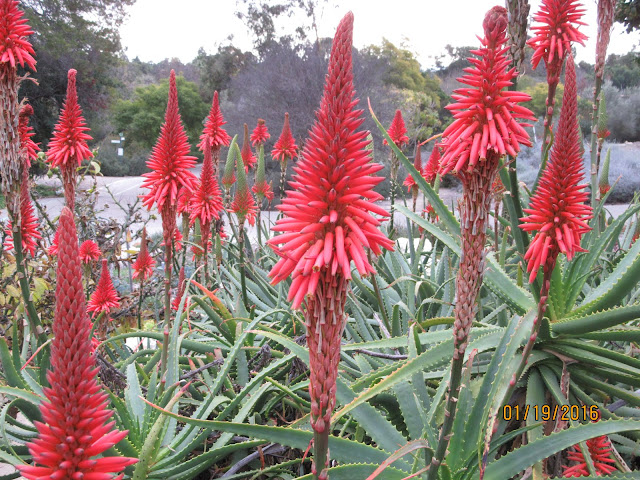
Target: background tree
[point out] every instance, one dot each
(141, 118)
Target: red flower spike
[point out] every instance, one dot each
(260, 134)
(144, 264)
(15, 49)
(73, 430)
(431, 213)
(53, 248)
(28, 147)
(327, 223)
(213, 134)
(558, 22)
(397, 131)
(327, 217)
(600, 453)
(105, 296)
(28, 223)
(285, 147)
(89, 250)
(409, 182)
(175, 305)
(206, 201)
(432, 166)
(557, 210)
(263, 190)
(486, 115)
(248, 158)
(244, 205)
(68, 146)
(170, 160)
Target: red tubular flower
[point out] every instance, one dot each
(170, 160)
(206, 201)
(105, 297)
(28, 147)
(73, 430)
(285, 147)
(213, 134)
(409, 182)
(397, 131)
(486, 115)
(68, 146)
(89, 250)
(432, 166)
(557, 210)
(260, 134)
(143, 266)
(248, 158)
(244, 205)
(431, 213)
(15, 49)
(558, 27)
(28, 221)
(175, 305)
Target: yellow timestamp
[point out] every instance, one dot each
(543, 413)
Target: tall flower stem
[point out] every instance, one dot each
(283, 178)
(394, 185)
(594, 141)
(243, 282)
(23, 279)
(167, 309)
(474, 214)
(140, 304)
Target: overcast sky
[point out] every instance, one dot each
(159, 29)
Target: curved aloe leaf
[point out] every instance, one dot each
(595, 321)
(502, 285)
(616, 286)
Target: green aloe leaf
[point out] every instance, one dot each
(593, 322)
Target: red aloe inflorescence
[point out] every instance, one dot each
(606, 15)
(248, 158)
(260, 134)
(213, 135)
(144, 264)
(487, 125)
(285, 149)
(397, 131)
(68, 146)
(15, 50)
(243, 205)
(600, 453)
(557, 211)
(557, 27)
(206, 201)
(28, 147)
(89, 251)
(105, 296)
(28, 221)
(73, 430)
(432, 166)
(327, 224)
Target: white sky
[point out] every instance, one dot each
(159, 29)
